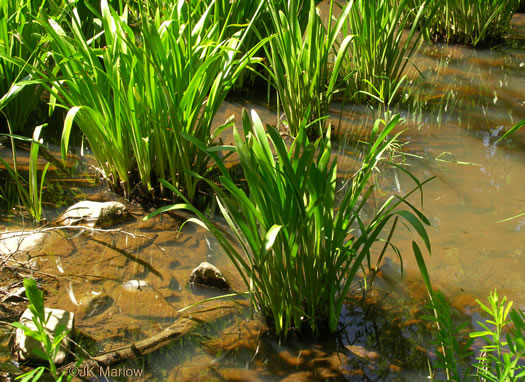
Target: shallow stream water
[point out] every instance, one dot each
(125, 287)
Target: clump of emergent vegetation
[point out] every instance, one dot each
(139, 94)
(379, 53)
(471, 22)
(304, 64)
(138, 79)
(296, 249)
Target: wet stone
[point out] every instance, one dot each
(239, 375)
(95, 304)
(193, 373)
(196, 369)
(361, 352)
(95, 214)
(24, 347)
(11, 242)
(208, 275)
(136, 285)
(292, 360)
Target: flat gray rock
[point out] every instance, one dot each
(207, 274)
(95, 214)
(23, 346)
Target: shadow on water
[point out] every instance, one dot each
(380, 339)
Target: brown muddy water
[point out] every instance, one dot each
(125, 287)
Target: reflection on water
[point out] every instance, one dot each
(472, 252)
(63, 181)
(379, 339)
(472, 88)
(478, 183)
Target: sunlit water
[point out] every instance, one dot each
(479, 185)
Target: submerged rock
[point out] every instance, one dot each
(24, 347)
(199, 368)
(390, 272)
(16, 248)
(95, 214)
(209, 275)
(362, 352)
(95, 304)
(134, 285)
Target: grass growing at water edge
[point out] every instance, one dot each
(304, 63)
(295, 249)
(471, 22)
(135, 123)
(378, 53)
(29, 190)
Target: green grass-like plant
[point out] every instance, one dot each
(296, 250)
(379, 53)
(304, 63)
(22, 52)
(20, 36)
(512, 130)
(241, 12)
(471, 22)
(29, 190)
(136, 97)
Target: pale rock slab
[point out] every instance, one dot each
(95, 214)
(23, 345)
(11, 242)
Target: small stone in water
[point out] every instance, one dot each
(207, 274)
(95, 304)
(135, 285)
(12, 242)
(95, 214)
